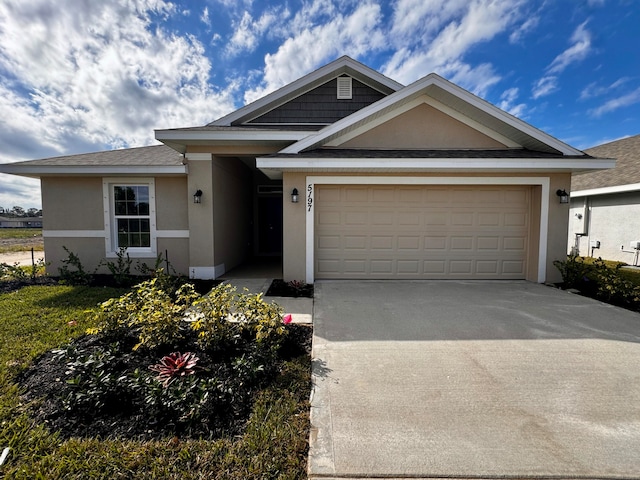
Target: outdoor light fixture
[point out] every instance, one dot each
(197, 197)
(294, 195)
(564, 196)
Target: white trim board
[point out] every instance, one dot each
(312, 181)
(632, 187)
(285, 164)
(100, 233)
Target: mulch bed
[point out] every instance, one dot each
(280, 288)
(44, 383)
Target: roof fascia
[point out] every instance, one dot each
(631, 187)
(232, 135)
(434, 164)
(37, 171)
(412, 91)
(334, 69)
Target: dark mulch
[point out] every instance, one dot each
(45, 385)
(7, 286)
(280, 288)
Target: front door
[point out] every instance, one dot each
(270, 225)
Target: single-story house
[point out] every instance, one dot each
(345, 173)
(20, 222)
(604, 217)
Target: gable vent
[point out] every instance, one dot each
(344, 88)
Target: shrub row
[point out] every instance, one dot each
(599, 280)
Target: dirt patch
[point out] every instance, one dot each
(28, 243)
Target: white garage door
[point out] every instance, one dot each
(427, 232)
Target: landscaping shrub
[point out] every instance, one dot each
(161, 363)
(600, 279)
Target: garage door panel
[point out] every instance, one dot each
(422, 232)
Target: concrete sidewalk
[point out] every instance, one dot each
(301, 309)
(21, 258)
(472, 380)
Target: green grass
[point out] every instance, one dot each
(6, 233)
(26, 234)
(36, 319)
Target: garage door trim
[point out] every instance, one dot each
(312, 181)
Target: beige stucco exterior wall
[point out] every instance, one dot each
(422, 127)
(232, 202)
(294, 227)
(172, 201)
(72, 203)
(75, 204)
(200, 215)
(558, 225)
(294, 260)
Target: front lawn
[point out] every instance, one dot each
(270, 443)
(20, 239)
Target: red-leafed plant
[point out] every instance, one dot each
(175, 365)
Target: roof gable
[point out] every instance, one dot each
(342, 66)
(320, 106)
(451, 100)
(422, 127)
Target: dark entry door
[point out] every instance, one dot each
(270, 225)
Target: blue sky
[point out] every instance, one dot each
(99, 75)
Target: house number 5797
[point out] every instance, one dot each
(309, 197)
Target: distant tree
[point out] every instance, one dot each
(18, 211)
(34, 212)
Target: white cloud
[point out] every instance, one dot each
(594, 90)
(617, 103)
(435, 35)
(545, 86)
(248, 31)
(204, 18)
(528, 26)
(313, 42)
(508, 102)
(97, 76)
(578, 51)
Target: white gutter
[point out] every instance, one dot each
(632, 187)
(92, 170)
(233, 135)
(403, 164)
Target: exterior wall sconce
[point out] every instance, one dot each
(197, 197)
(294, 195)
(564, 196)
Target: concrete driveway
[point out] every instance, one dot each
(430, 379)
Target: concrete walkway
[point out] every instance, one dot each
(472, 380)
(21, 258)
(301, 309)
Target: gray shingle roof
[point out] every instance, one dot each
(156, 155)
(627, 169)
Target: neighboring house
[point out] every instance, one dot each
(20, 222)
(344, 172)
(604, 218)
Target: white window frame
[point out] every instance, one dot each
(110, 223)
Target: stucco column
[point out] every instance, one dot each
(200, 177)
(294, 228)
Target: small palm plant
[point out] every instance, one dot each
(175, 365)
